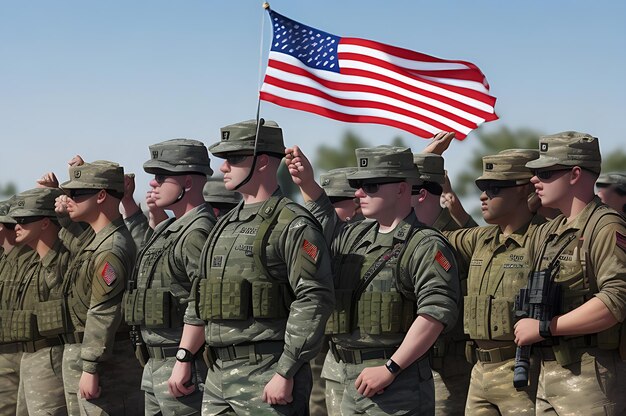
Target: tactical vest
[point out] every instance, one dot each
(375, 304)
(494, 279)
(19, 324)
(155, 298)
(237, 282)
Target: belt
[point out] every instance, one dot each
(247, 351)
(496, 355)
(77, 337)
(10, 348)
(357, 356)
(33, 346)
(161, 353)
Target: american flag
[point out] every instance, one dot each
(362, 81)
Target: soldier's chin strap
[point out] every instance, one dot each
(259, 123)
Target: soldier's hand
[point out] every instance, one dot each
(76, 161)
(89, 386)
(178, 383)
(60, 204)
(440, 143)
(278, 390)
(299, 166)
(373, 380)
(48, 180)
(527, 332)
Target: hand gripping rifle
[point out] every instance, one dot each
(540, 300)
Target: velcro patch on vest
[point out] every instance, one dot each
(442, 260)
(310, 249)
(108, 274)
(620, 240)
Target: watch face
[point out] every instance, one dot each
(180, 354)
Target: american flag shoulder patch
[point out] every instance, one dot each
(108, 274)
(442, 260)
(620, 239)
(310, 249)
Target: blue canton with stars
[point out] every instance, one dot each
(314, 48)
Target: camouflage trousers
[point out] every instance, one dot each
(451, 374)
(235, 387)
(9, 382)
(411, 393)
(334, 375)
(159, 401)
(41, 383)
(317, 404)
(120, 378)
(595, 385)
(491, 391)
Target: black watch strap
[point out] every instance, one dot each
(544, 329)
(184, 355)
(393, 367)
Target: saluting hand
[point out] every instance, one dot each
(48, 180)
(373, 380)
(76, 161)
(299, 166)
(440, 143)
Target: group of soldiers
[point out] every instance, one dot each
(379, 295)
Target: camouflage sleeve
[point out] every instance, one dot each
(191, 317)
(464, 242)
(434, 272)
(608, 256)
(190, 249)
(139, 228)
(324, 212)
(105, 310)
(307, 258)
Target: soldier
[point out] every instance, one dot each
(264, 292)
(498, 265)
(13, 262)
(34, 319)
(100, 374)
(166, 265)
(582, 373)
(221, 199)
(612, 190)
(396, 285)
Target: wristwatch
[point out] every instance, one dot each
(393, 367)
(544, 329)
(184, 355)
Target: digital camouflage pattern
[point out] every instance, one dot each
(179, 156)
(335, 183)
(239, 138)
(568, 149)
(430, 167)
(100, 174)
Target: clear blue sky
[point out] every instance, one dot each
(106, 79)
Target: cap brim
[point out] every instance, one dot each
(5, 219)
(219, 148)
(156, 167)
(543, 162)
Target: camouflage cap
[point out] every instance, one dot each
(430, 167)
(100, 174)
(384, 164)
(214, 192)
(568, 148)
(179, 156)
(617, 179)
(239, 138)
(5, 206)
(335, 183)
(508, 165)
(37, 202)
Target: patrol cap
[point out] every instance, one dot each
(430, 167)
(617, 179)
(336, 184)
(384, 164)
(5, 206)
(179, 156)
(508, 165)
(215, 193)
(569, 148)
(239, 138)
(37, 202)
(100, 174)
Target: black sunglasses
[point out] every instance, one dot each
(9, 225)
(372, 187)
(75, 193)
(28, 220)
(236, 159)
(544, 175)
(493, 189)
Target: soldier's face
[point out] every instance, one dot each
(28, 232)
(378, 201)
(166, 189)
(81, 206)
(235, 170)
(346, 209)
(497, 204)
(551, 186)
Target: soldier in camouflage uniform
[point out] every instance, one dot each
(264, 292)
(13, 262)
(221, 199)
(166, 265)
(612, 190)
(32, 323)
(396, 285)
(100, 373)
(584, 373)
(498, 265)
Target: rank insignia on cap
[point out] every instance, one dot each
(543, 147)
(620, 239)
(310, 249)
(76, 174)
(488, 166)
(225, 135)
(442, 260)
(155, 154)
(326, 182)
(363, 162)
(108, 274)
(20, 203)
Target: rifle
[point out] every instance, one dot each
(540, 300)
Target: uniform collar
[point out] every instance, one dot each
(581, 219)
(519, 237)
(190, 216)
(401, 232)
(53, 253)
(245, 212)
